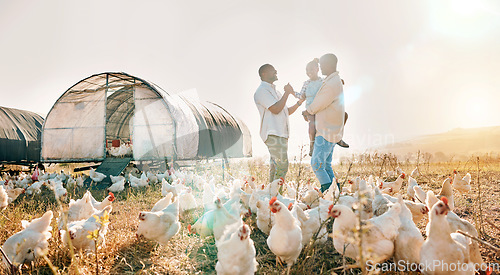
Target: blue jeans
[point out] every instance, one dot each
(321, 161)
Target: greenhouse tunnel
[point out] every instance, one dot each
(110, 110)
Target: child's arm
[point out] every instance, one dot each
(302, 93)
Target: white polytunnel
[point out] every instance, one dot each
(117, 114)
(20, 132)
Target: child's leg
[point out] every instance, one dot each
(312, 127)
(342, 143)
(312, 132)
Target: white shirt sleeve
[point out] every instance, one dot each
(264, 98)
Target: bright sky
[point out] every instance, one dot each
(411, 67)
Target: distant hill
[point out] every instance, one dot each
(458, 142)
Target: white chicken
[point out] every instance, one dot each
(160, 176)
(4, 198)
(14, 193)
(118, 186)
(59, 190)
(410, 191)
(160, 225)
(71, 182)
(392, 187)
(380, 203)
(378, 241)
(80, 209)
(457, 223)
(80, 180)
(30, 243)
(265, 220)
(461, 185)
(447, 191)
(420, 195)
(35, 188)
(152, 177)
(138, 182)
(166, 188)
(236, 251)
(204, 226)
(187, 201)
(418, 210)
(415, 173)
(224, 218)
(409, 239)
(332, 192)
(162, 203)
(285, 238)
(442, 246)
(105, 202)
(116, 179)
(311, 198)
(96, 176)
(78, 231)
(257, 195)
(311, 221)
(399, 170)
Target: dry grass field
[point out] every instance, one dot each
(189, 254)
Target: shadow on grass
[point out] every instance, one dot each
(134, 257)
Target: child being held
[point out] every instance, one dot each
(308, 92)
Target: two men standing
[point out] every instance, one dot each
(328, 106)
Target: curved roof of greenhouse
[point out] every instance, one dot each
(118, 106)
(19, 135)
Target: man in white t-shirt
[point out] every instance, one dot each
(274, 124)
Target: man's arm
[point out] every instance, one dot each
(278, 106)
(292, 109)
(325, 96)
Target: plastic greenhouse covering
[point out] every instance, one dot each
(108, 110)
(20, 133)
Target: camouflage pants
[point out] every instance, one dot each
(278, 163)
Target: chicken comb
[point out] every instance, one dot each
(455, 171)
(282, 179)
(330, 208)
(403, 175)
(112, 196)
(271, 202)
(349, 181)
(189, 228)
(445, 200)
(290, 206)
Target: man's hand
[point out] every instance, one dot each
(305, 114)
(289, 89)
(303, 97)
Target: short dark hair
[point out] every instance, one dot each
(263, 68)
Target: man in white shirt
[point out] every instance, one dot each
(274, 124)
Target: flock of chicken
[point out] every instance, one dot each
(292, 217)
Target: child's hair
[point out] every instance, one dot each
(314, 63)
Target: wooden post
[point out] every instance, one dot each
(480, 218)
